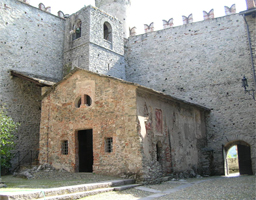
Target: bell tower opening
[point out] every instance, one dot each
(119, 9)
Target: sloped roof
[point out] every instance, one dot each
(248, 12)
(37, 79)
(174, 99)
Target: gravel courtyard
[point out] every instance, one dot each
(240, 187)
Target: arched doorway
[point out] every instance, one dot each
(243, 150)
(232, 160)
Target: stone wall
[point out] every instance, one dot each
(172, 135)
(251, 21)
(111, 114)
(31, 41)
(106, 62)
(22, 101)
(106, 57)
(201, 62)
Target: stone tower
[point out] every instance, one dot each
(117, 8)
(94, 41)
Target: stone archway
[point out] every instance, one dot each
(244, 156)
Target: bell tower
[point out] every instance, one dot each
(119, 9)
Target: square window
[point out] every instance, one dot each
(109, 145)
(64, 147)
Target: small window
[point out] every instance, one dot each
(78, 102)
(109, 145)
(64, 147)
(107, 32)
(83, 101)
(87, 100)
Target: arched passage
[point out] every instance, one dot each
(243, 154)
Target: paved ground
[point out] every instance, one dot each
(241, 187)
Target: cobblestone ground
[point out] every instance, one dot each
(242, 187)
(235, 188)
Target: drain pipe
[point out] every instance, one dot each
(250, 47)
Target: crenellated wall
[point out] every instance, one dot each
(204, 63)
(31, 40)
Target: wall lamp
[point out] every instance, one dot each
(245, 85)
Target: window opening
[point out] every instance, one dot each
(87, 100)
(77, 30)
(83, 101)
(64, 147)
(109, 145)
(78, 102)
(107, 32)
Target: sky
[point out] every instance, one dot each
(147, 11)
(232, 152)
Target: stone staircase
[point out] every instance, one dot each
(70, 192)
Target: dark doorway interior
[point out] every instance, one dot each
(85, 151)
(244, 157)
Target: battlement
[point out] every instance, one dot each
(186, 20)
(179, 30)
(44, 8)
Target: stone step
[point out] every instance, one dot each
(77, 195)
(126, 187)
(122, 182)
(51, 192)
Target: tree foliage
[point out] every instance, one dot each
(7, 128)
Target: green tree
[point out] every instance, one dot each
(7, 128)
